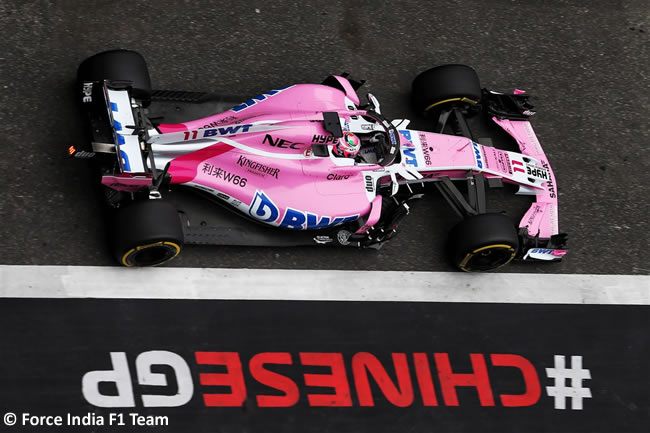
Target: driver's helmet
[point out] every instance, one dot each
(348, 146)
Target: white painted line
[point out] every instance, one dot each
(271, 284)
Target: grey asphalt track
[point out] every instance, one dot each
(586, 62)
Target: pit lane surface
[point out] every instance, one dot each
(586, 62)
(230, 350)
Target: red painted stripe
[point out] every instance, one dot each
(518, 169)
(166, 128)
(183, 169)
(517, 162)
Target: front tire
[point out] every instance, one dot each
(147, 233)
(444, 85)
(483, 242)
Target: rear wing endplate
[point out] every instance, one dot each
(127, 142)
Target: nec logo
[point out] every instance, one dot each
(281, 143)
(477, 153)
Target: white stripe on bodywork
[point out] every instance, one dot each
(528, 186)
(255, 151)
(178, 137)
(163, 153)
(320, 285)
(233, 201)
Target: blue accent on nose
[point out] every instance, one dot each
(113, 106)
(117, 125)
(120, 139)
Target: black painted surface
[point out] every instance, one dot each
(47, 345)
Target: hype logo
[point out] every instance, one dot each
(263, 208)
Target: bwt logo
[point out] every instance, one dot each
(263, 208)
(477, 153)
(226, 130)
(226, 380)
(408, 149)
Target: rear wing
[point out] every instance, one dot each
(115, 138)
(122, 121)
(113, 126)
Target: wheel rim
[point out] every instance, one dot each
(151, 254)
(487, 258)
(463, 99)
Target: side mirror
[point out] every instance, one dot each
(374, 103)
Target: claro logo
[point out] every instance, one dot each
(224, 379)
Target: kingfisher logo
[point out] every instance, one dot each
(477, 154)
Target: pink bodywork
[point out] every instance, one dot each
(542, 217)
(274, 162)
(127, 183)
(258, 157)
(437, 155)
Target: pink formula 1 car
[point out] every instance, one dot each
(308, 164)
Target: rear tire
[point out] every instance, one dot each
(118, 65)
(147, 233)
(483, 242)
(445, 84)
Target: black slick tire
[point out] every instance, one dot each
(445, 84)
(483, 242)
(147, 233)
(118, 65)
